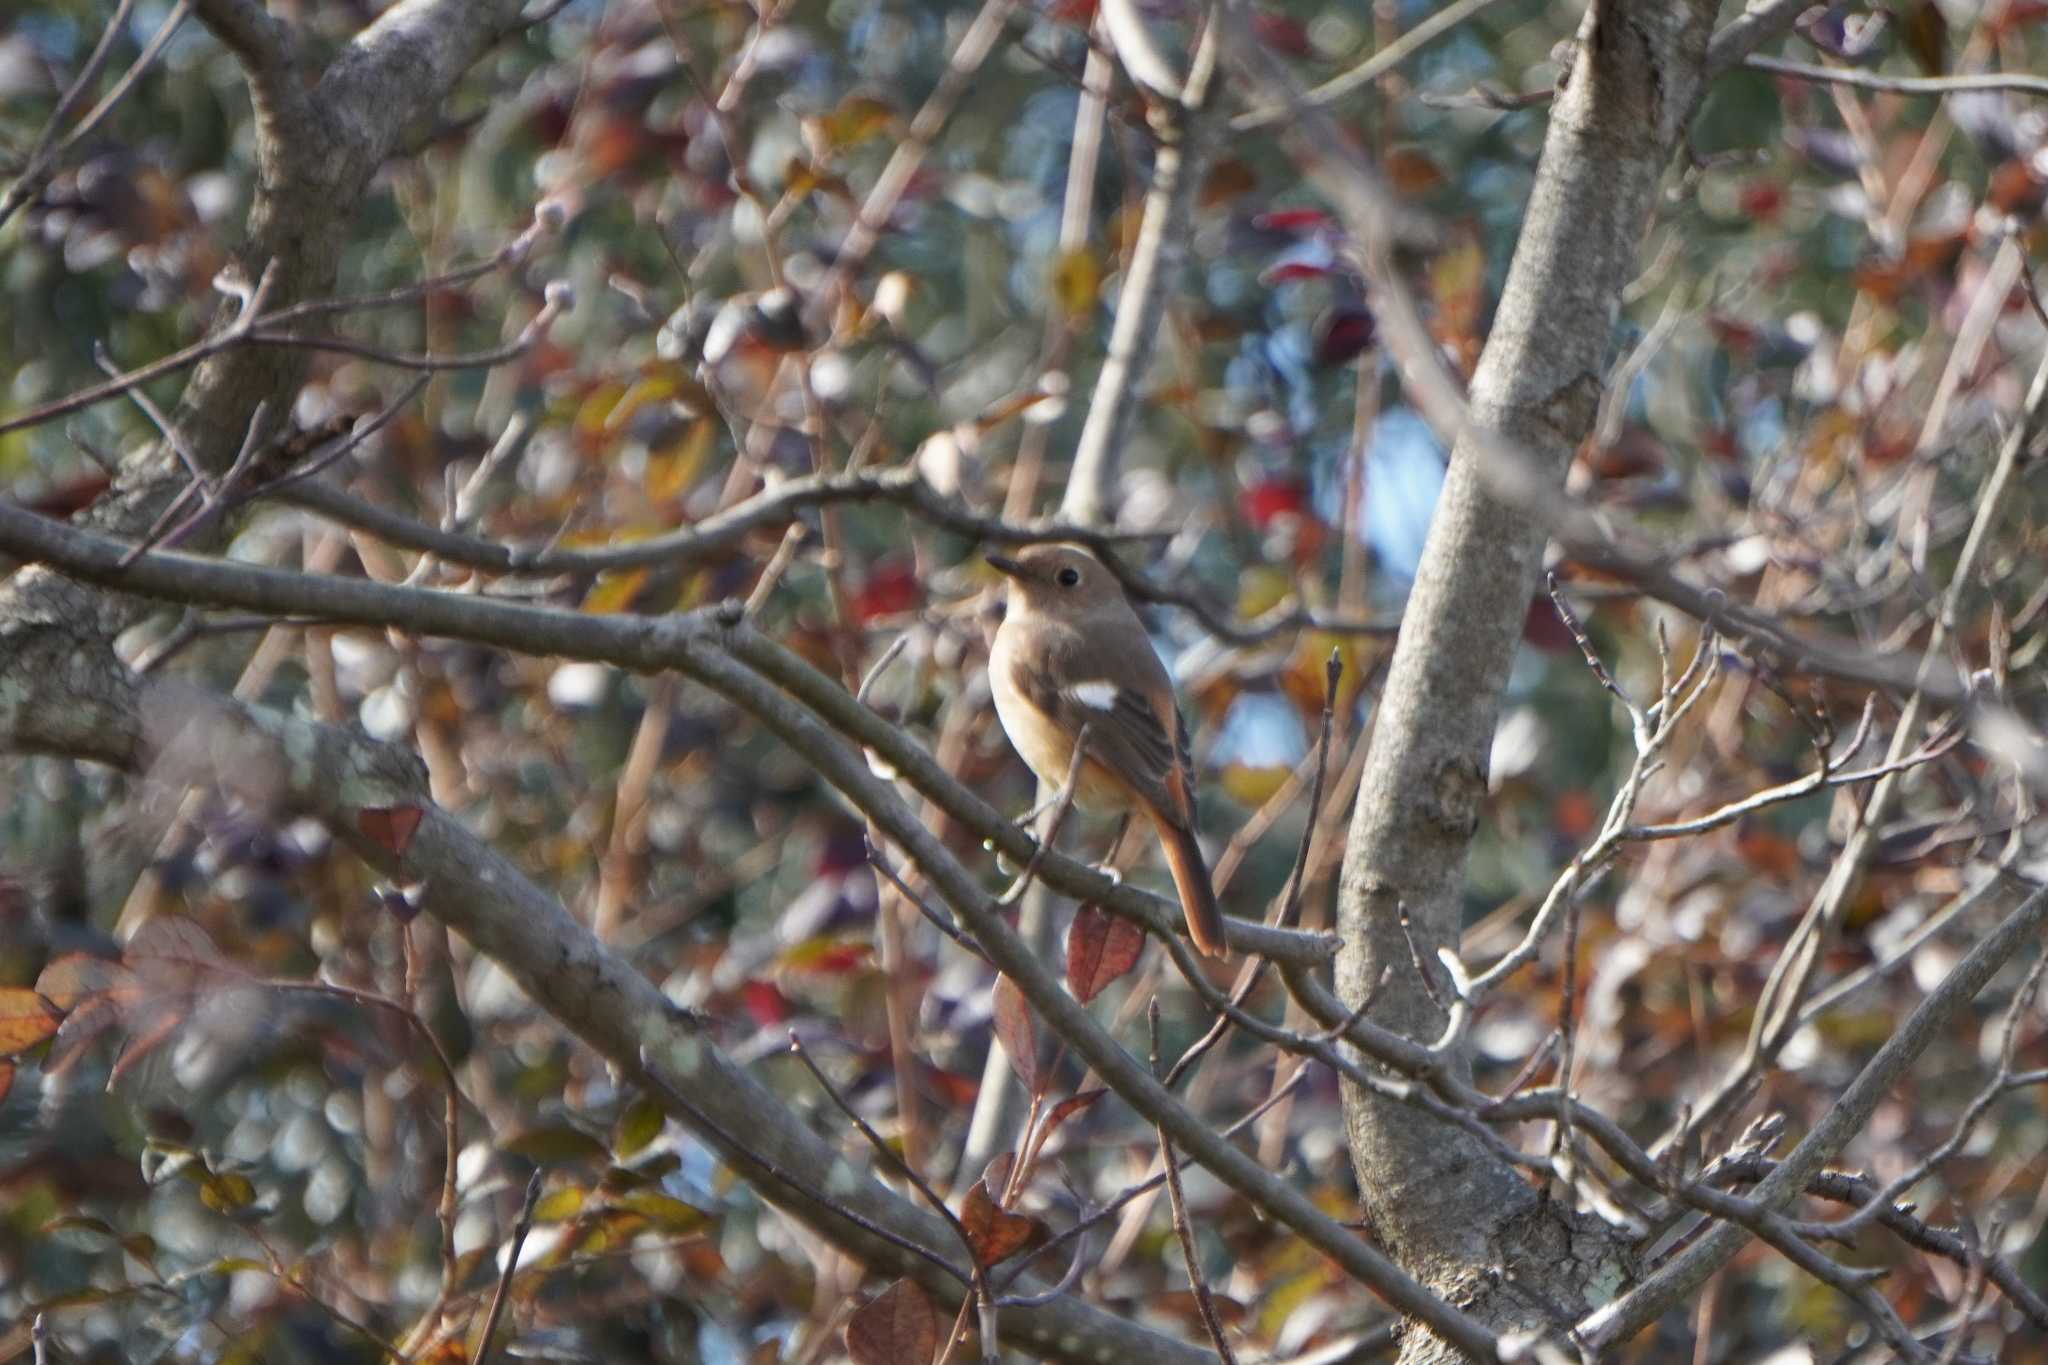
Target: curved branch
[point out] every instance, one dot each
(1681, 1277)
(723, 533)
(645, 644)
(333, 774)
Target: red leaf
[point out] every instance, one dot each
(1283, 34)
(390, 827)
(1760, 200)
(1303, 221)
(1100, 948)
(1545, 629)
(1292, 270)
(766, 1003)
(6, 1078)
(994, 1234)
(1274, 496)
(952, 1087)
(1018, 1034)
(890, 590)
(1343, 333)
(1067, 1108)
(896, 1327)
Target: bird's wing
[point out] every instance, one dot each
(1134, 729)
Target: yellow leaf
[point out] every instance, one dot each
(595, 410)
(858, 118)
(1076, 280)
(655, 388)
(226, 1192)
(1254, 785)
(671, 1213)
(672, 469)
(614, 592)
(558, 1205)
(25, 1020)
(639, 1125)
(1261, 589)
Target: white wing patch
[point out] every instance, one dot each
(1096, 696)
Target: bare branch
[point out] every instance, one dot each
(1182, 124)
(1681, 1277)
(48, 151)
(651, 644)
(1426, 31)
(503, 1292)
(1899, 85)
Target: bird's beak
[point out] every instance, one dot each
(1005, 565)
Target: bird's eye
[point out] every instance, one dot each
(1068, 577)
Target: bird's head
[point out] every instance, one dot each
(1061, 580)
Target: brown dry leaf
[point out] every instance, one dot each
(896, 1327)
(994, 1234)
(390, 827)
(1100, 948)
(1069, 1107)
(1018, 1034)
(25, 1020)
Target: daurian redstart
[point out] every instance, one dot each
(1071, 652)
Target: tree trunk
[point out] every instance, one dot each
(1451, 1212)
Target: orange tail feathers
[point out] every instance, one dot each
(1197, 893)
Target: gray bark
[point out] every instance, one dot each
(1451, 1212)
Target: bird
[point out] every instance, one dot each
(1071, 653)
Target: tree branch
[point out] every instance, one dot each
(1182, 124)
(1425, 32)
(1900, 85)
(644, 644)
(334, 774)
(1682, 1276)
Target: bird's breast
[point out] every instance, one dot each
(1044, 744)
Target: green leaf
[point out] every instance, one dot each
(555, 1144)
(638, 1126)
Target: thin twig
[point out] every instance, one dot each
(1177, 1201)
(1431, 27)
(482, 1353)
(1899, 85)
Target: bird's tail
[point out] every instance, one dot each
(1197, 893)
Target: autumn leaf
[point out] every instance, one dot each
(615, 592)
(552, 1144)
(1100, 948)
(995, 1234)
(391, 828)
(1068, 1108)
(26, 1019)
(896, 1327)
(639, 1125)
(1018, 1034)
(75, 977)
(1076, 280)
